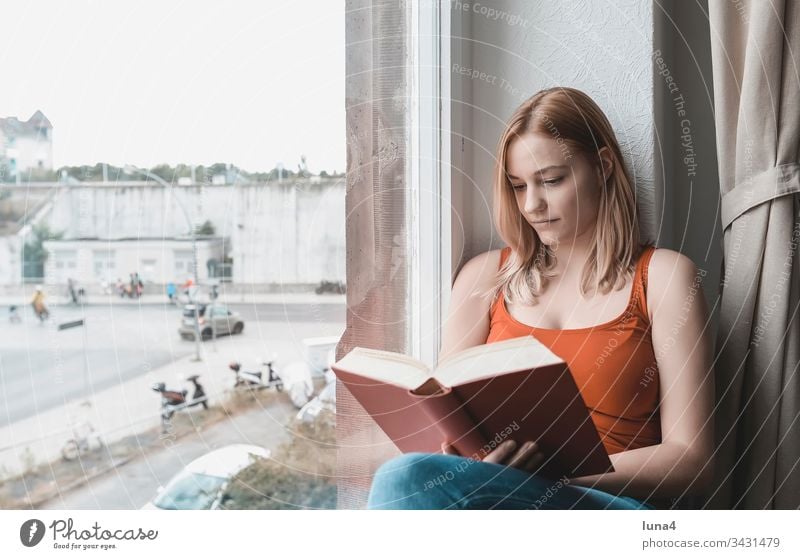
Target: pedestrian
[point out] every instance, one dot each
(74, 293)
(39, 308)
(171, 292)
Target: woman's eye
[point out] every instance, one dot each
(553, 181)
(518, 186)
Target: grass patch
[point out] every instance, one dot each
(300, 473)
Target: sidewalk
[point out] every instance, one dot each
(132, 406)
(224, 298)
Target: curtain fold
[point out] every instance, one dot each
(377, 107)
(756, 67)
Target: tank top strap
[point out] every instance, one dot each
(495, 306)
(641, 279)
(503, 256)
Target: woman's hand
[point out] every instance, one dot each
(528, 457)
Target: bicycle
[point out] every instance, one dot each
(84, 440)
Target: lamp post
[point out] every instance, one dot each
(130, 169)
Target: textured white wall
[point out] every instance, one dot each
(601, 47)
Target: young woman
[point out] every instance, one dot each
(630, 320)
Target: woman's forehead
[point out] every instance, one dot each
(531, 153)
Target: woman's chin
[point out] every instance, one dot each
(549, 239)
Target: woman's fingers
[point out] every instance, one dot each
(447, 448)
(534, 463)
(523, 455)
(528, 457)
(500, 454)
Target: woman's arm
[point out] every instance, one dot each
(467, 322)
(682, 464)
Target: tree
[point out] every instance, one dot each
(164, 172)
(302, 168)
(34, 254)
(207, 228)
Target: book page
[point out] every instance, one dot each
(489, 360)
(385, 366)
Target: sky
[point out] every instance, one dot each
(247, 82)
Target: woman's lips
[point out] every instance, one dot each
(545, 222)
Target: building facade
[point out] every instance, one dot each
(158, 261)
(25, 146)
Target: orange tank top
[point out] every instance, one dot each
(613, 364)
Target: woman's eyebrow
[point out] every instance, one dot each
(542, 171)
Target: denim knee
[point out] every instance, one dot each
(403, 481)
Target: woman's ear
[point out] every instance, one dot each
(606, 162)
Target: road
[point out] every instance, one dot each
(42, 367)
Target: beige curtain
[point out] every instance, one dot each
(377, 104)
(756, 61)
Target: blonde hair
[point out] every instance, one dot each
(575, 121)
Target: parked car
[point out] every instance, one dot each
(201, 484)
(220, 317)
(325, 400)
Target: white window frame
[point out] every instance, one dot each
(104, 263)
(186, 263)
(66, 259)
(430, 194)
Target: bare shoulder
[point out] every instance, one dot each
(479, 264)
(476, 276)
(671, 277)
(480, 270)
(468, 320)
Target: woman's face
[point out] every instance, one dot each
(556, 189)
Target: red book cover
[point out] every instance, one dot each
(478, 398)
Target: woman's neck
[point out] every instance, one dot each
(571, 258)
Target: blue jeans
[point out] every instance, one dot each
(419, 480)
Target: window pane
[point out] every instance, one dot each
(248, 213)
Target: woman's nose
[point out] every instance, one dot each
(534, 201)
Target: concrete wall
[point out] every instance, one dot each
(289, 232)
(125, 211)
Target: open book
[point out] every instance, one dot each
(477, 398)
